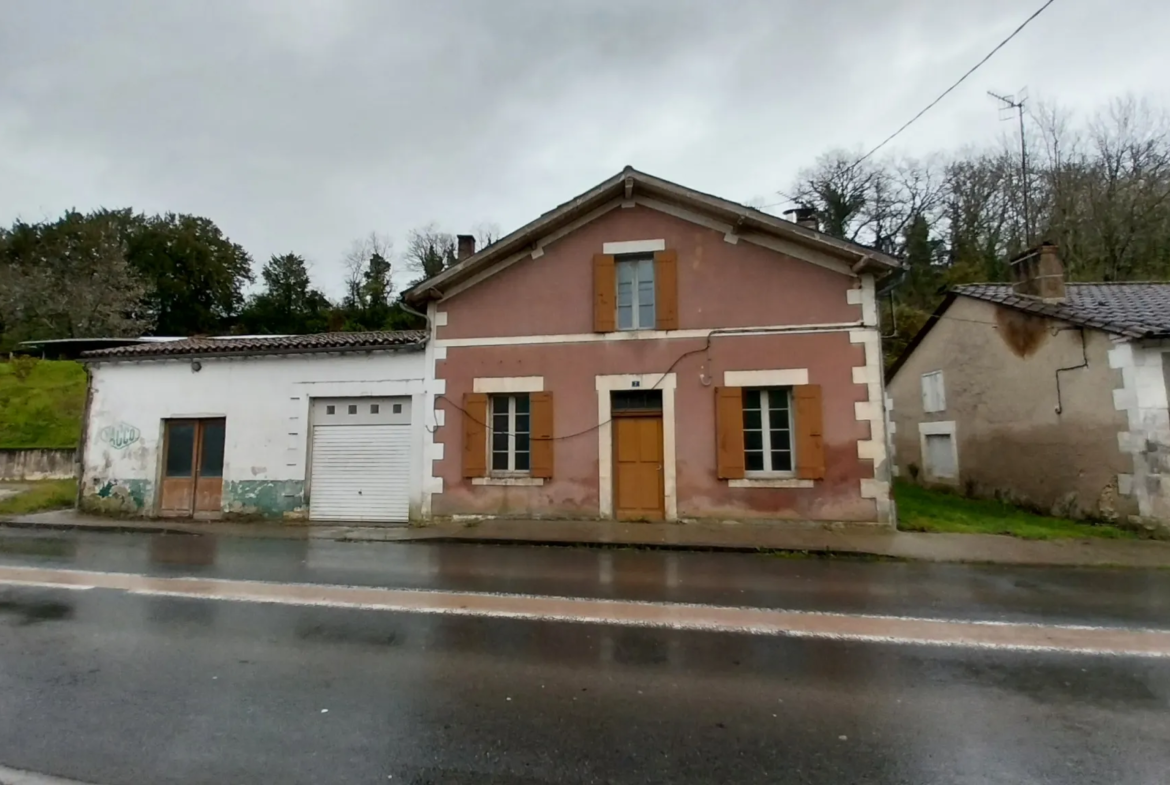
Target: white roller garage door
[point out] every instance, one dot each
(361, 471)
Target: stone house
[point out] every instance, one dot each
(1050, 393)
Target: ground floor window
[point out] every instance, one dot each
(510, 431)
(767, 429)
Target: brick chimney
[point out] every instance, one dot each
(806, 217)
(466, 246)
(1038, 272)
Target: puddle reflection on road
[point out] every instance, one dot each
(186, 550)
(48, 547)
(24, 610)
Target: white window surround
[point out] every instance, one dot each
(633, 246)
(515, 482)
(943, 428)
(786, 377)
(508, 384)
(780, 481)
(646, 381)
(501, 385)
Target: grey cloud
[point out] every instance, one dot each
(299, 126)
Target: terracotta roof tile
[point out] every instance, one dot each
(264, 344)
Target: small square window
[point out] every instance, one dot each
(353, 408)
(374, 408)
(330, 409)
(398, 408)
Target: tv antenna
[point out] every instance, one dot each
(1008, 105)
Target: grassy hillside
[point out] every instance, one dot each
(43, 410)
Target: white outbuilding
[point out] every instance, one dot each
(325, 427)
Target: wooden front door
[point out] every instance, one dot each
(192, 482)
(639, 491)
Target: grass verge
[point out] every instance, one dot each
(44, 409)
(41, 496)
(923, 510)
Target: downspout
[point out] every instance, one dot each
(1059, 371)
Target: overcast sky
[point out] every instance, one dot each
(298, 125)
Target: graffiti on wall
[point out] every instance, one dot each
(119, 436)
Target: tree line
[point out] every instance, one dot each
(114, 273)
(1097, 186)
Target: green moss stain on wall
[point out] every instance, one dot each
(265, 498)
(123, 497)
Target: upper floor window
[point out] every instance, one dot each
(767, 429)
(635, 292)
(510, 432)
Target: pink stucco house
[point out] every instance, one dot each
(645, 351)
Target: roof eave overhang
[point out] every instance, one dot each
(91, 358)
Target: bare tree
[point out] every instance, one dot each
(356, 263)
(429, 251)
(486, 233)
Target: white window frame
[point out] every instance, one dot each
(636, 260)
(766, 426)
(934, 393)
(511, 471)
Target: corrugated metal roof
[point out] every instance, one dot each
(1133, 309)
(267, 344)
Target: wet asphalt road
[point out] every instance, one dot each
(1106, 597)
(114, 688)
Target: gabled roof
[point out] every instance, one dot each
(264, 344)
(1128, 309)
(632, 184)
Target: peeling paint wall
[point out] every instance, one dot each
(266, 404)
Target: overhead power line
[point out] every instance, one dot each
(941, 96)
(961, 79)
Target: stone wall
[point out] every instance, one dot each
(38, 464)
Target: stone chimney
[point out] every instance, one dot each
(806, 217)
(466, 246)
(1038, 272)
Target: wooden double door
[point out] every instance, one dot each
(192, 477)
(639, 471)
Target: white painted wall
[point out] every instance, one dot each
(265, 400)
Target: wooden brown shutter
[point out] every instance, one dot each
(666, 290)
(604, 294)
(541, 441)
(810, 441)
(729, 433)
(475, 417)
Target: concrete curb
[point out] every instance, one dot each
(732, 538)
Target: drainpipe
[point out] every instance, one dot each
(1059, 371)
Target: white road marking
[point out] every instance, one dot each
(1013, 636)
(17, 777)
